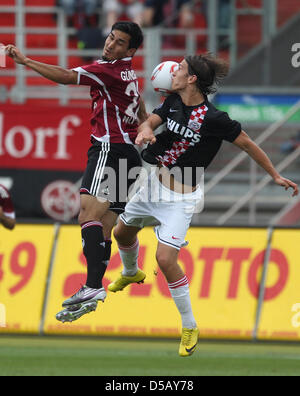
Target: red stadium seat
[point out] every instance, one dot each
(40, 20)
(7, 2)
(7, 20)
(41, 41)
(10, 64)
(75, 61)
(33, 81)
(8, 82)
(286, 10)
(39, 3)
(7, 38)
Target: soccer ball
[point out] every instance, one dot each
(162, 77)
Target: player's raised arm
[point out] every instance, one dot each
(244, 142)
(51, 72)
(146, 130)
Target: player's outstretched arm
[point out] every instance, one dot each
(146, 130)
(7, 222)
(245, 143)
(51, 72)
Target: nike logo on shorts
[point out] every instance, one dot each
(175, 238)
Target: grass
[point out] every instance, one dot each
(51, 356)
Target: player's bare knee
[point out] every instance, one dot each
(82, 217)
(164, 260)
(118, 234)
(87, 215)
(121, 238)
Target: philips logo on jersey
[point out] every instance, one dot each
(183, 131)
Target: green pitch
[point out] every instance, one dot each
(35, 356)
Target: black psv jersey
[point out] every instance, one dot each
(193, 135)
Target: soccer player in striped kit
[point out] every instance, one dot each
(193, 136)
(117, 109)
(7, 211)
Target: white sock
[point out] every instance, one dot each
(129, 256)
(180, 292)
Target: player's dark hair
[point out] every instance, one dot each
(209, 71)
(133, 30)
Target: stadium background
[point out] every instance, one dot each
(242, 261)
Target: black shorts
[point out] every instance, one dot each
(107, 173)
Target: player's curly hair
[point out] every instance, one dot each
(209, 70)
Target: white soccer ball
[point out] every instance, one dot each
(162, 77)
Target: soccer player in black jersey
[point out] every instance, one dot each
(194, 133)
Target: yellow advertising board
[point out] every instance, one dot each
(225, 283)
(140, 310)
(221, 265)
(24, 261)
(280, 317)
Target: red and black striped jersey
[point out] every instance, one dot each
(115, 99)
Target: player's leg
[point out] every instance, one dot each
(130, 223)
(167, 259)
(175, 218)
(95, 250)
(93, 240)
(92, 210)
(128, 245)
(108, 220)
(126, 237)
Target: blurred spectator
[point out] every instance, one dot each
(82, 14)
(90, 37)
(184, 11)
(168, 12)
(224, 14)
(224, 22)
(114, 9)
(224, 19)
(154, 12)
(85, 9)
(71, 6)
(290, 145)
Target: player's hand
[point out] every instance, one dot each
(1, 212)
(145, 136)
(281, 181)
(14, 53)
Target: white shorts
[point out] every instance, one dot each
(170, 212)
